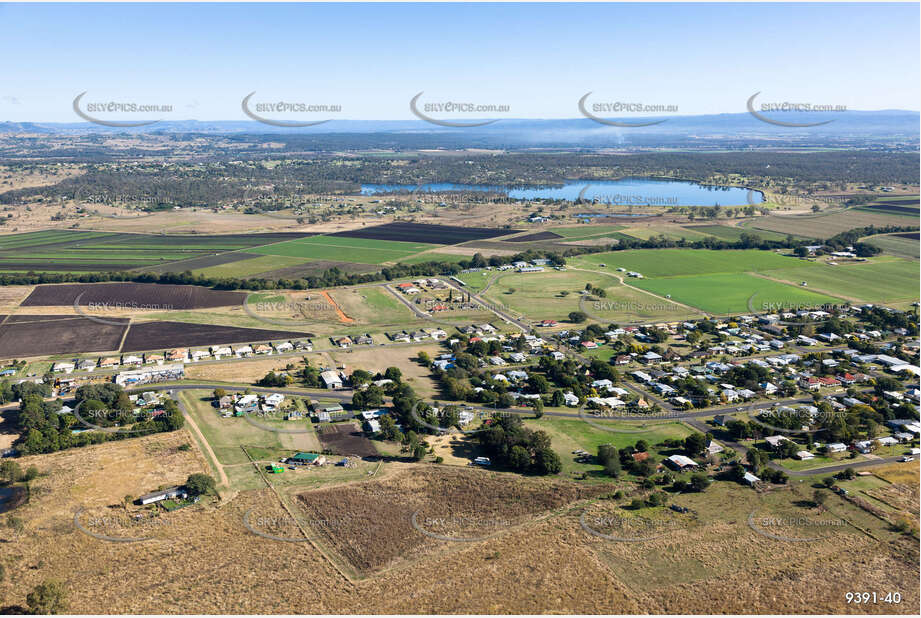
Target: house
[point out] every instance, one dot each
(589, 345)
(651, 358)
(225, 402)
(804, 455)
(343, 342)
(284, 346)
(713, 448)
(331, 379)
(263, 348)
(197, 355)
(548, 323)
(364, 339)
(110, 362)
(680, 462)
(622, 359)
(62, 367)
(219, 351)
(274, 400)
(750, 479)
(132, 360)
(837, 447)
(246, 403)
(304, 459)
(776, 441)
(721, 419)
(163, 494)
(89, 364)
(570, 400)
(177, 355)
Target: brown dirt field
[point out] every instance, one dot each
(375, 530)
(146, 295)
(346, 439)
(159, 335)
(23, 336)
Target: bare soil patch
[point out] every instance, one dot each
(346, 439)
(158, 335)
(133, 294)
(425, 232)
(23, 336)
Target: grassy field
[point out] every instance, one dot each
(732, 233)
(250, 266)
(554, 294)
(673, 262)
(895, 245)
(344, 249)
(884, 280)
(730, 292)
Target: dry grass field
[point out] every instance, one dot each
(203, 559)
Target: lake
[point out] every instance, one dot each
(623, 192)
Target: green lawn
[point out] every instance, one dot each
(344, 249)
(895, 245)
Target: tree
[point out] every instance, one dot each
(577, 317)
(519, 458)
(818, 497)
(546, 461)
(419, 451)
(699, 482)
(200, 484)
(49, 597)
(219, 392)
(695, 444)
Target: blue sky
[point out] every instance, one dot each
(538, 59)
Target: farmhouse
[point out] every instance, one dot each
(681, 462)
(163, 494)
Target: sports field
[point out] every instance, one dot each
(342, 248)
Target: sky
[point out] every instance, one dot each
(371, 59)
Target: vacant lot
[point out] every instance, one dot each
(346, 439)
(23, 336)
(425, 232)
(132, 295)
(159, 335)
(374, 527)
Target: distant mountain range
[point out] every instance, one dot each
(887, 126)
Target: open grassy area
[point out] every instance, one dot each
(825, 225)
(733, 233)
(883, 280)
(567, 435)
(673, 262)
(344, 249)
(730, 292)
(895, 244)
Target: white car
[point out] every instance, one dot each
(906, 458)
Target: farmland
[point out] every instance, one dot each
(883, 280)
(362, 250)
(901, 245)
(26, 335)
(675, 262)
(823, 225)
(131, 295)
(424, 233)
(158, 335)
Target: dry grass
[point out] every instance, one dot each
(905, 473)
(370, 524)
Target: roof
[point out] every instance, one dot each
(682, 461)
(306, 457)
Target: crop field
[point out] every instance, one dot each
(730, 292)
(824, 225)
(374, 519)
(672, 232)
(61, 250)
(674, 262)
(131, 295)
(404, 231)
(733, 233)
(159, 335)
(885, 280)
(535, 236)
(362, 250)
(901, 245)
(246, 265)
(24, 336)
